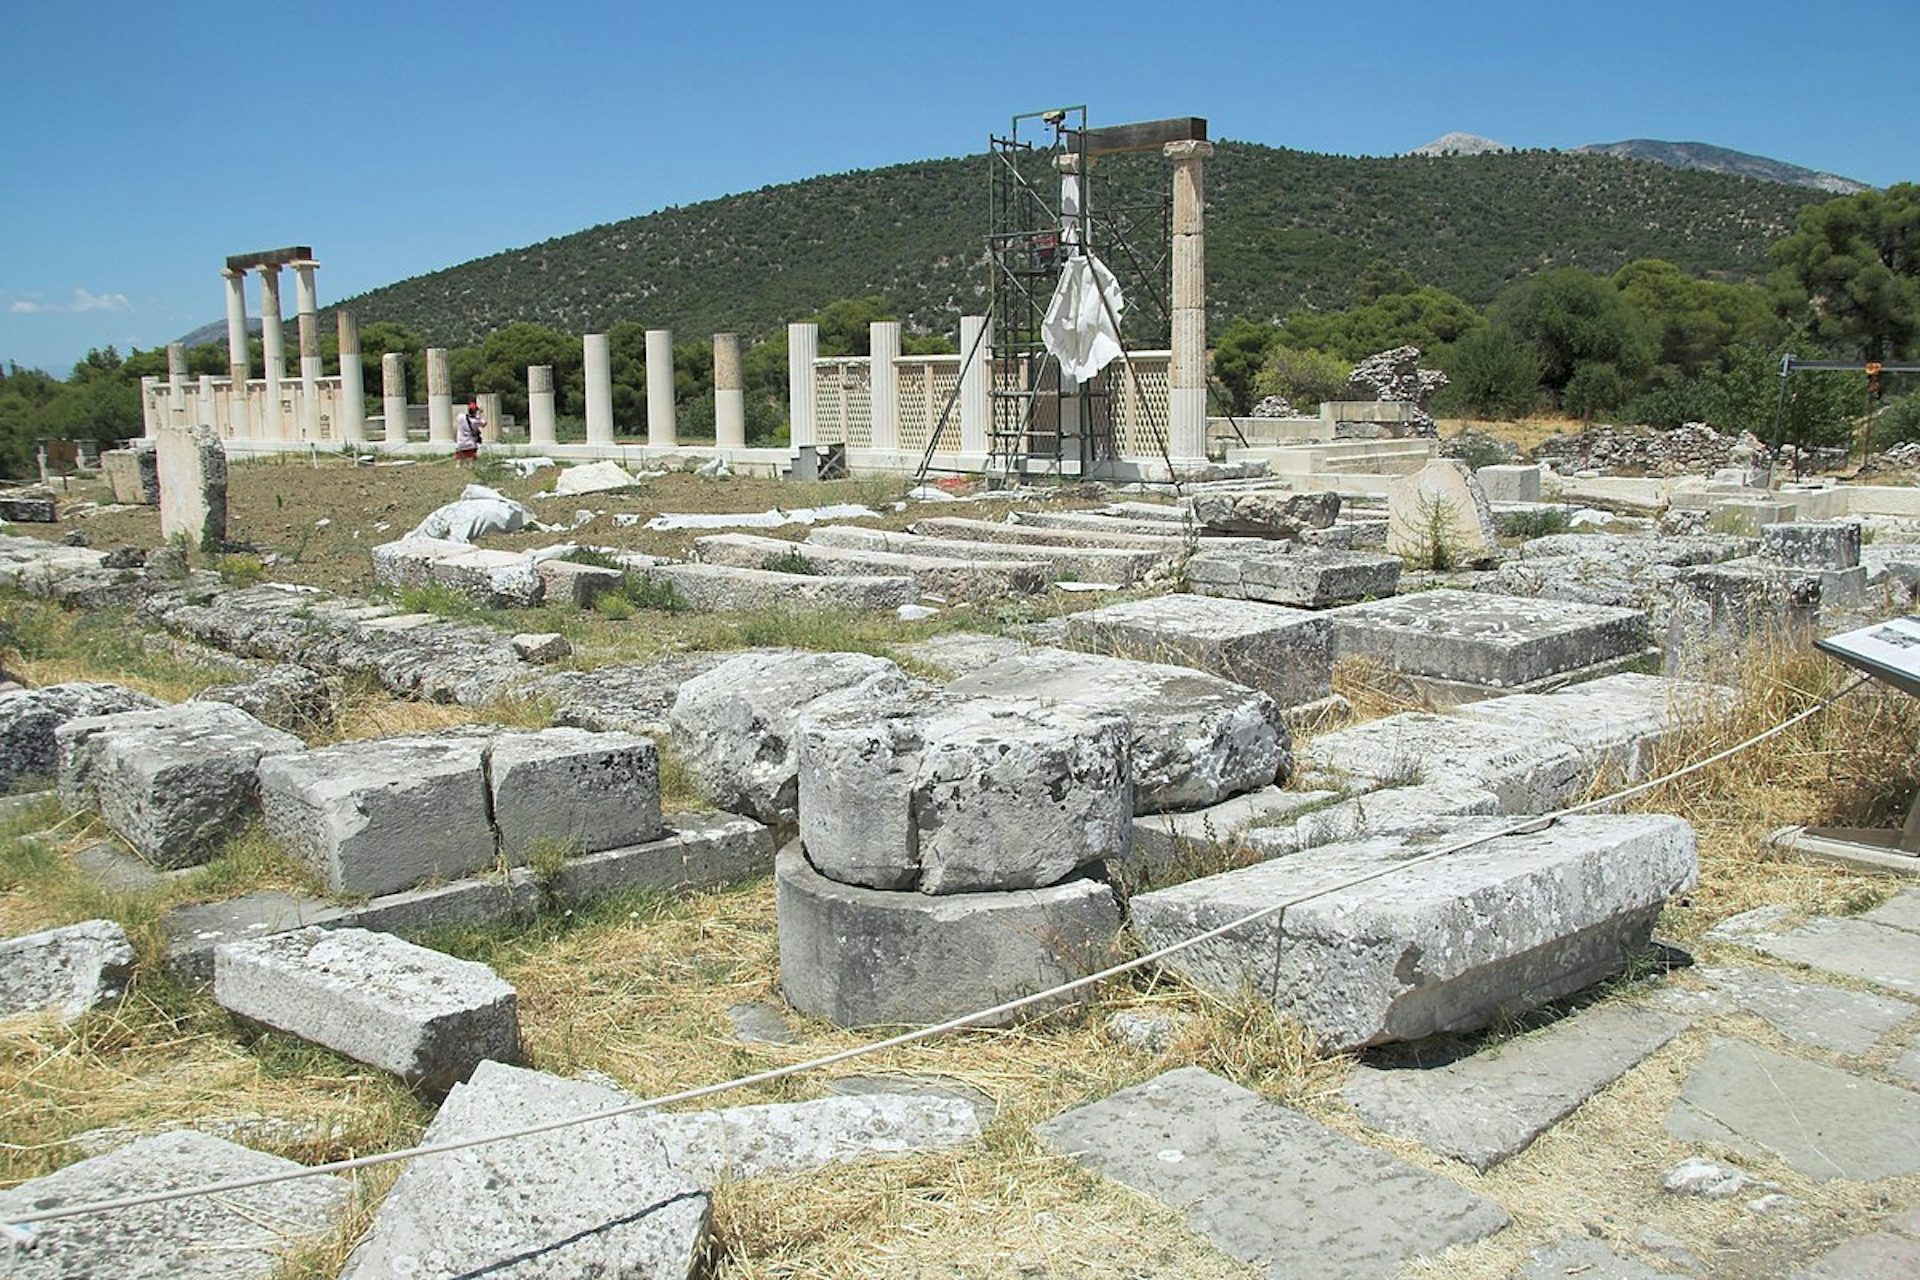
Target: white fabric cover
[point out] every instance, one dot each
(479, 511)
(1080, 332)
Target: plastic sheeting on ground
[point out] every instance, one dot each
(479, 511)
(771, 518)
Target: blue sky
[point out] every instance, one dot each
(145, 142)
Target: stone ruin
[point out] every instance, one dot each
(1395, 377)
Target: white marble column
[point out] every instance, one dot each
(803, 348)
(439, 397)
(884, 339)
(352, 412)
(661, 431)
(393, 396)
(177, 384)
(490, 414)
(1187, 370)
(976, 407)
(306, 308)
(239, 356)
(205, 415)
(273, 352)
(729, 393)
(599, 370)
(541, 429)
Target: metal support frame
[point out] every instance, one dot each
(1791, 364)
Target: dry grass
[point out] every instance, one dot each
(1374, 690)
(1523, 435)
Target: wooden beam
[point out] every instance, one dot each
(1148, 135)
(270, 257)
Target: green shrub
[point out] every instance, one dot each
(1898, 422)
(240, 571)
(1540, 523)
(789, 562)
(1494, 374)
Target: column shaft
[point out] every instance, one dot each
(352, 411)
(729, 393)
(661, 431)
(976, 336)
(599, 370)
(393, 396)
(884, 382)
(439, 397)
(541, 429)
(273, 352)
(306, 308)
(803, 348)
(239, 357)
(1187, 369)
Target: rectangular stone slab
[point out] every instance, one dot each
(1814, 1013)
(1117, 566)
(1448, 945)
(1825, 1122)
(1491, 1105)
(721, 588)
(1268, 1185)
(573, 789)
(1308, 578)
(978, 578)
(1526, 767)
(423, 1015)
(1285, 653)
(1476, 638)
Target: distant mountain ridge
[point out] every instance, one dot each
(1461, 144)
(1703, 155)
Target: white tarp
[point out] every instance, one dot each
(771, 518)
(1081, 331)
(479, 511)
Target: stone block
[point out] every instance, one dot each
(1615, 722)
(737, 725)
(700, 851)
(975, 578)
(1166, 845)
(1394, 811)
(1830, 1018)
(1270, 513)
(963, 797)
(1748, 516)
(1268, 1185)
(586, 792)
(1588, 1259)
(1305, 577)
(505, 579)
(1101, 533)
(1891, 1253)
(294, 698)
(1119, 567)
(28, 718)
(1717, 610)
(1449, 945)
(409, 562)
(719, 588)
(868, 957)
(240, 1235)
(1528, 771)
(1195, 739)
(717, 1147)
(1877, 946)
(383, 815)
(1489, 1106)
(1502, 483)
(192, 469)
(1826, 544)
(541, 647)
(422, 1015)
(68, 970)
(581, 1203)
(1438, 517)
(1824, 1122)
(1500, 642)
(133, 475)
(27, 510)
(579, 585)
(1286, 654)
(175, 783)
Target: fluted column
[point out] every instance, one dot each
(729, 393)
(976, 336)
(1187, 370)
(439, 397)
(541, 428)
(273, 350)
(177, 384)
(661, 430)
(803, 348)
(306, 309)
(239, 356)
(353, 398)
(599, 370)
(884, 340)
(393, 396)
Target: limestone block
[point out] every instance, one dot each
(1195, 739)
(737, 725)
(964, 797)
(1167, 846)
(1615, 722)
(1285, 653)
(977, 578)
(29, 717)
(69, 970)
(1444, 946)
(1308, 579)
(133, 475)
(1470, 637)
(1118, 566)
(1265, 513)
(1528, 770)
(1717, 610)
(383, 815)
(541, 647)
(1439, 516)
(1393, 811)
(177, 782)
(719, 588)
(409, 562)
(1811, 544)
(579, 585)
(588, 792)
(581, 1203)
(240, 1235)
(716, 1147)
(27, 510)
(290, 697)
(506, 579)
(867, 957)
(1509, 483)
(423, 1015)
(192, 469)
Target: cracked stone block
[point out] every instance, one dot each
(1831, 1018)
(1812, 544)
(383, 815)
(508, 579)
(1309, 578)
(541, 647)
(963, 797)
(577, 584)
(1264, 513)
(423, 1015)
(409, 562)
(175, 783)
(1440, 512)
(1431, 807)
(68, 970)
(980, 578)
(1530, 771)
(241, 1235)
(29, 717)
(1719, 609)
(286, 696)
(588, 792)
(722, 588)
(1473, 638)
(1448, 945)
(1285, 653)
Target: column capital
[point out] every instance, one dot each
(304, 264)
(1180, 152)
(1069, 162)
(233, 274)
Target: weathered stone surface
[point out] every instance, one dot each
(1286, 654)
(582, 791)
(1498, 641)
(1490, 1106)
(581, 1203)
(1890, 1253)
(1812, 544)
(1426, 807)
(28, 510)
(1503, 483)
(963, 796)
(1098, 532)
(294, 698)
(68, 970)
(1881, 946)
(241, 1235)
(383, 815)
(174, 783)
(627, 698)
(1824, 1122)
(1268, 1185)
(1587, 1259)
(714, 1147)
(191, 465)
(1831, 1018)
(868, 957)
(981, 577)
(1195, 739)
(1282, 574)
(1166, 845)
(1907, 1065)
(1448, 945)
(410, 562)
(1117, 566)
(423, 1015)
(699, 851)
(1265, 513)
(541, 646)
(1717, 610)
(721, 588)
(28, 718)
(579, 585)
(507, 579)
(1528, 770)
(738, 724)
(1439, 517)
(133, 475)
